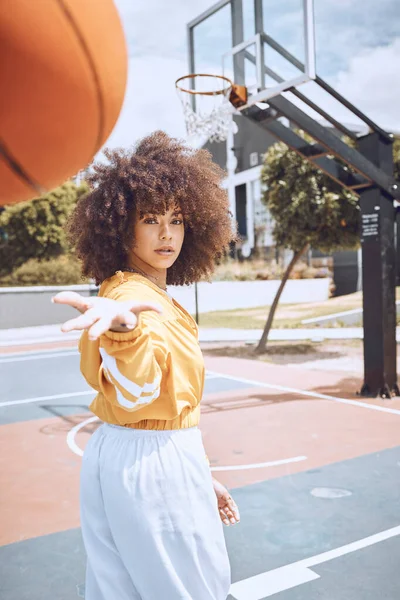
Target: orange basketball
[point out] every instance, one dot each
(63, 75)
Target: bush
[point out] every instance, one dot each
(64, 270)
(259, 270)
(37, 228)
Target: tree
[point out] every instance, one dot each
(309, 209)
(36, 228)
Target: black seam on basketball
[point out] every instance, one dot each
(19, 171)
(93, 69)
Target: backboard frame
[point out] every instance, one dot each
(260, 38)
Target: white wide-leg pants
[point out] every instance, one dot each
(149, 517)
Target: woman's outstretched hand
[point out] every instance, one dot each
(228, 510)
(101, 314)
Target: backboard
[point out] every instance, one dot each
(266, 45)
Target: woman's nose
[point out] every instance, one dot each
(165, 233)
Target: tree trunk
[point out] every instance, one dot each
(262, 344)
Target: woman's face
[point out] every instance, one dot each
(159, 238)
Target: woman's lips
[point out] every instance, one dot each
(165, 252)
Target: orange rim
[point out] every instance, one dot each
(195, 92)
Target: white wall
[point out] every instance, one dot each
(30, 306)
(227, 295)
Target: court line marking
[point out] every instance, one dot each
(272, 463)
(60, 396)
(38, 356)
(211, 375)
(45, 398)
(284, 578)
(310, 394)
(72, 433)
(71, 442)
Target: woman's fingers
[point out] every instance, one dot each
(99, 327)
(230, 511)
(72, 299)
(230, 514)
(232, 507)
(82, 322)
(223, 516)
(102, 312)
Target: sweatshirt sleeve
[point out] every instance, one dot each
(132, 364)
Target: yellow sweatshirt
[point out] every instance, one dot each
(153, 376)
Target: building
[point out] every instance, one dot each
(254, 222)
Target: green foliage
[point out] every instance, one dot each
(36, 229)
(64, 270)
(306, 205)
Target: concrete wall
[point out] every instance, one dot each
(227, 295)
(30, 306)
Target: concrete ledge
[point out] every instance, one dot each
(54, 289)
(31, 306)
(31, 336)
(350, 318)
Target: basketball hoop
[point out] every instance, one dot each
(206, 107)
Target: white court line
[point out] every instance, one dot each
(273, 463)
(44, 398)
(38, 356)
(282, 388)
(289, 576)
(79, 452)
(214, 375)
(72, 433)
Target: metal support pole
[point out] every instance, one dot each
(398, 245)
(258, 16)
(237, 38)
(259, 28)
(379, 276)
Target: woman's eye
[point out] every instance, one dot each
(150, 221)
(177, 221)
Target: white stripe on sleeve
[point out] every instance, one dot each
(111, 367)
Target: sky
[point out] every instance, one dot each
(357, 50)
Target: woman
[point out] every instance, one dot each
(150, 511)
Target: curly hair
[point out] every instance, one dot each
(158, 174)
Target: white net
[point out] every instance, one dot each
(207, 112)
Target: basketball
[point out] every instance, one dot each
(62, 78)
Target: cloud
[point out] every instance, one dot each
(156, 39)
(344, 29)
(151, 101)
(158, 27)
(369, 82)
(372, 83)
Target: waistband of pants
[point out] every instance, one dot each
(118, 431)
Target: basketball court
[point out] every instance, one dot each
(313, 468)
